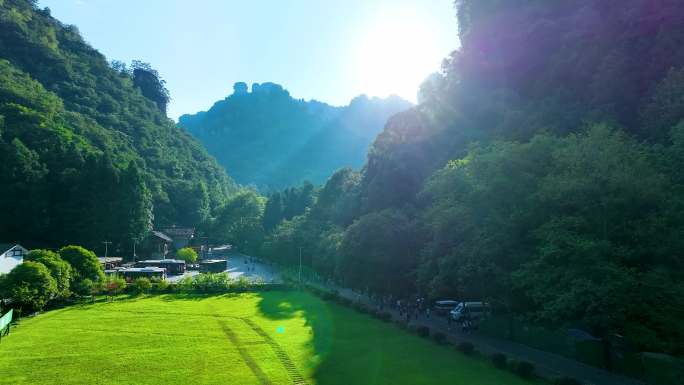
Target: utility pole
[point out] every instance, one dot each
(300, 265)
(205, 247)
(106, 243)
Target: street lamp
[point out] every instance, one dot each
(106, 243)
(300, 265)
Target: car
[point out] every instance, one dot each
(473, 310)
(443, 307)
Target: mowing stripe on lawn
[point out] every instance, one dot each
(256, 370)
(297, 378)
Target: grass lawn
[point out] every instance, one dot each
(241, 339)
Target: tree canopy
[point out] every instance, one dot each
(86, 151)
(541, 172)
(30, 285)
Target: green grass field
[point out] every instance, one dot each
(242, 339)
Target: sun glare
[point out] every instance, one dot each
(395, 54)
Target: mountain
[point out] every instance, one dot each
(269, 139)
(87, 153)
(541, 171)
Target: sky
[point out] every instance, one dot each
(328, 50)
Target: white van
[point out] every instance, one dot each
(472, 310)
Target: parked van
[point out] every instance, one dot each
(444, 306)
(472, 310)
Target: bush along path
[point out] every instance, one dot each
(545, 364)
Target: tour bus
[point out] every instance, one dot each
(472, 310)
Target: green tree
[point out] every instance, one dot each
(239, 221)
(60, 270)
(273, 211)
(85, 264)
(30, 286)
(380, 251)
(23, 194)
(73, 130)
(135, 211)
(187, 254)
(151, 84)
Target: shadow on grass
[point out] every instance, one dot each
(354, 348)
(283, 305)
(345, 344)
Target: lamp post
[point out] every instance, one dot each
(300, 265)
(106, 243)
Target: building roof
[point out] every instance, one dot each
(110, 259)
(161, 235)
(150, 269)
(4, 247)
(180, 232)
(212, 261)
(162, 261)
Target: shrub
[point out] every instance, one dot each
(187, 254)
(141, 285)
(114, 285)
(329, 296)
(241, 284)
(499, 360)
(524, 369)
(402, 324)
(161, 286)
(439, 337)
(360, 307)
(423, 331)
(567, 381)
(344, 301)
(385, 316)
(466, 348)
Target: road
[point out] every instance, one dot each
(239, 265)
(547, 364)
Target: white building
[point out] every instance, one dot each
(10, 256)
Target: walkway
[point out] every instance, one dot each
(547, 364)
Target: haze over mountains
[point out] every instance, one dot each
(271, 140)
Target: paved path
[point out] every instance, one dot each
(240, 265)
(547, 364)
(176, 278)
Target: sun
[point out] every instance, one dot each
(395, 53)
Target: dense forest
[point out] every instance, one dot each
(542, 172)
(86, 151)
(270, 140)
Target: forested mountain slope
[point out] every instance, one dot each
(542, 171)
(87, 152)
(271, 140)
